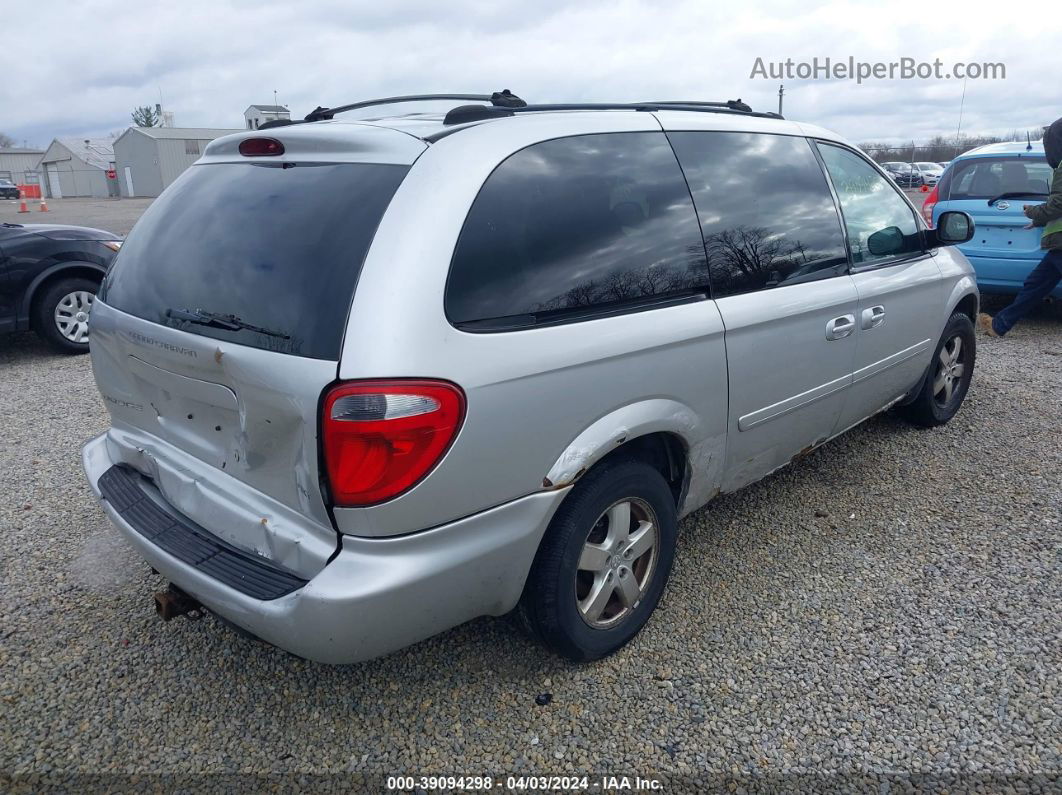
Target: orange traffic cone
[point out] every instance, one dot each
(44, 205)
(22, 208)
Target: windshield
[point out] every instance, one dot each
(928, 166)
(265, 255)
(989, 177)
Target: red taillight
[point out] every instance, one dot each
(381, 438)
(928, 205)
(261, 147)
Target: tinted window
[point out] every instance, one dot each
(880, 223)
(988, 177)
(765, 209)
(280, 248)
(589, 222)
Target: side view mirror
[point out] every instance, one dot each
(953, 227)
(886, 241)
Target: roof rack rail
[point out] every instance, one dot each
(469, 113)
(732, 104)
(504, 98)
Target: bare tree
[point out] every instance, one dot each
(6, 141)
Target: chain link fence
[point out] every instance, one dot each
(940, 149)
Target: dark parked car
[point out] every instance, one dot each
(8, 189)
(904, 175)
(49, 275)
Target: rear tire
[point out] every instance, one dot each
(949, 376)
(604, 561)
(58, 312)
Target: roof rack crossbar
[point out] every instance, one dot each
(327, 113)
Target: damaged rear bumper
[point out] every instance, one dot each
(376, 595)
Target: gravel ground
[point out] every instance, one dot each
(883, 613)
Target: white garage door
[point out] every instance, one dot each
(53, 181)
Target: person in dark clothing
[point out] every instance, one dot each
(1045, 276)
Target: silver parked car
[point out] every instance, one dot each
(931, 172)
(371, 379)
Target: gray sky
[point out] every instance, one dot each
(82, 66)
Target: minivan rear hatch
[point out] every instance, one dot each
(221, 323)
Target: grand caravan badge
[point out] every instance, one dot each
(144, 340)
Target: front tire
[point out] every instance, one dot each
(603, 564)
(61, 314)
(949, 376)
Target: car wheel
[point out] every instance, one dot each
(949, 375)
(604, 561)
(62, 312)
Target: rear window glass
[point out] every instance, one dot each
(277, 246)
(988, 177)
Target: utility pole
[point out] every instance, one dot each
(958, 132)
(781, 93)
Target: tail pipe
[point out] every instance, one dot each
(174, 602)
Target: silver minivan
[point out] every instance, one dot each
(371, 379)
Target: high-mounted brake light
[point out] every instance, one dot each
(381, 438)
(929, 204)
(261, 147)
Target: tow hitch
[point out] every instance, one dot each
(174, 602)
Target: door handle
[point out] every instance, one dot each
(840, 327)
(873, 317)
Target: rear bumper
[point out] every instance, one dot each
(375, 595)
(1003, 275)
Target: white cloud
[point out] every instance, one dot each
(89, 64)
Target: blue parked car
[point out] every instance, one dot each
(992, 183)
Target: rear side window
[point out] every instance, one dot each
(575, 227)
(989, 177)
(765, 208)
(277, 246)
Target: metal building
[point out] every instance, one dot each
(20, 165)
(149, 158)
(78, 167)
(257, 115)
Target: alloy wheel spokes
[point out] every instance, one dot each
(595, 603)
(594, 558)
(949, 372)
(619, 523)
(617, 563)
